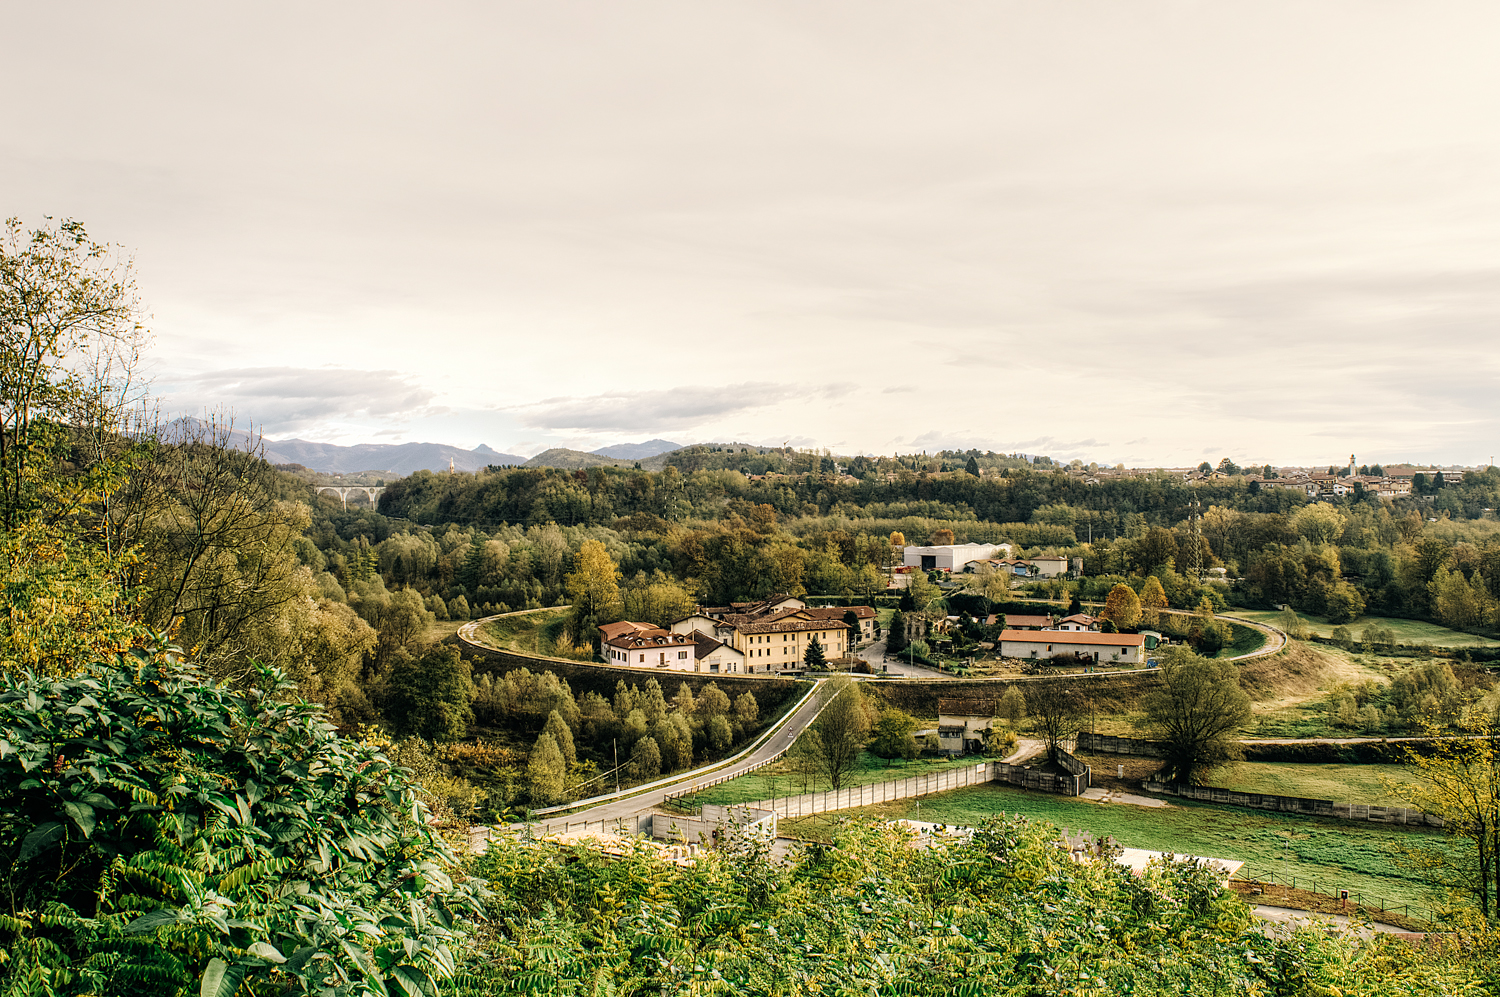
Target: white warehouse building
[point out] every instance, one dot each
(950, 557)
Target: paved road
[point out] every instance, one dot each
(627, 808)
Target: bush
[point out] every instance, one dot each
(209, 834)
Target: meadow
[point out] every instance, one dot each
(1332, 854)
(1339, 783)
(780, 779)
(1411, 632)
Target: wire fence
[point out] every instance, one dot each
(1356, 899)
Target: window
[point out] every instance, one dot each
(681, 655)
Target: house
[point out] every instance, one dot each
(1077, 623)
(963, 724)
(1124, 649)
(653, 648)
(1024, 622)
(609, 631)
(949, 557)
(779, 645)
(1048, 565)
(716, 657)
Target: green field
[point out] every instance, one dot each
(1244, 640)
(1339, 783)
(779, 780)
(540, 632)
(1407, 631)
(1333, 854)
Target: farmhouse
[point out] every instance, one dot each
(964, 724)
(1118, 648)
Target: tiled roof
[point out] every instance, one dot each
(1072, 637)
(650, 639)
(613, 630)
(1020, 620)
(787, 626)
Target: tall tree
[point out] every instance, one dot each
(557, 728)
(895, 637)
(842, 727)
(1196, 712)
(545, 771)
(972, 467)
(431, 696)
(1122, 607)
(1153, 601)
(853, 632)
(1458, 779)
(1057, 714)
(892, 735)
(593, 588)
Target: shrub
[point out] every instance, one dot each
(213, 835)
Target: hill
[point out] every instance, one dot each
(398, 458)
(574, 459)
(637, 451)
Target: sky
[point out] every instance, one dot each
(1149, 233)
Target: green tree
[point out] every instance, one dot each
(546, 771)
(1122, 607)
(1196, 712)
(1013, 706)
(892, 735)
(746, 709)
(853, 632)
(557, 728)
(972, 467)
(713, 701)
(895, 637)
(645, 759)
(813, 657)
(1458, 779)
(806, 756)
(431, 696)
(842, 727)
(1344, 602)
(720, 734)
(594, 591)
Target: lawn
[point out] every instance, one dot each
(539, 632)
(1244, 640)
(779, 780)
(1333, 854)
(1339, 783)
(1407, 631)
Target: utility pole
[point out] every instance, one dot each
(617, 765)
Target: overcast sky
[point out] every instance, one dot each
(1139, 232)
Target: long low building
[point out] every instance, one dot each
(1114, 648)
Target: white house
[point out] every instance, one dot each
(949, 557)
(1124, 649)
(652, 649)
(964, 725)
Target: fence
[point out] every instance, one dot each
(1297, 804)
(625, 827)
(806, 804)
(1108, 744)
(717, 825)
(1372, 904)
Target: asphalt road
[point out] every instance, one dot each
(627, 808)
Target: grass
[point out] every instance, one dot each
(1339, 783)
(1406, 631)
(1333, 854)
(779, 779)
(1245, 639)
(540, 632)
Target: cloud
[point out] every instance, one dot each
(287, 399)
(663, 410)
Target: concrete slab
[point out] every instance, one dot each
(1098, 795)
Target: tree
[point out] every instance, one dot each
(746, 709)
(942, 538)
(892, 735)
(720, 734)
(1122, 607)
(1057, 714)
(1196, 712)
(806, 756)
(1344, 602)
(926, 598)
(713, 701)
(972, 467)
(855, 634)
(895, 639)
(1458, 779)
(70, 334)
(813, 657)
(1013, 706)
(557, 728)
(593, 590)
(645, 759)
(1153, 601)
(545, 771)
(842, 727)
(431, 696)
(990, 583)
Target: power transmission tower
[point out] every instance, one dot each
(1195, 515)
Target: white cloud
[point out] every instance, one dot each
(281, 400)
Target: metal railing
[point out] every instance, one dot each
(1356, 899)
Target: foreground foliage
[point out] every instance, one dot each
(159, 831)
(1008, 913)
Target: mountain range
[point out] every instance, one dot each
(407, 458)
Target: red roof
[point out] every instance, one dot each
(1072, 637)
(1027, 621)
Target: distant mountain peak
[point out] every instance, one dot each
(637, 451)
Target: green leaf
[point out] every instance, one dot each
(154, 919)
(214, 979)
(267, 951)
(299, 958)
(41, 839)
(82, 814)
(410, 979)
